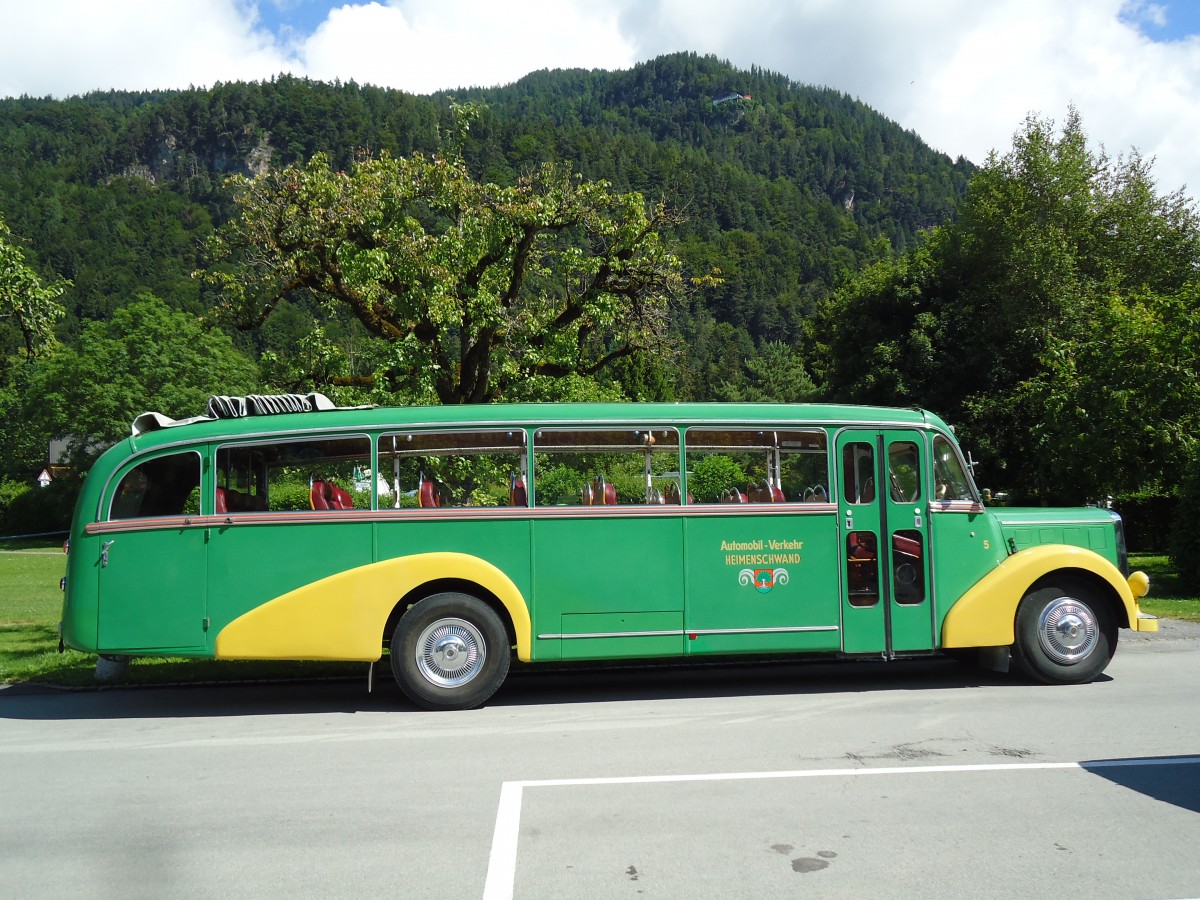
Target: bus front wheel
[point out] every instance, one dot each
(1065, 633)
(450, 651)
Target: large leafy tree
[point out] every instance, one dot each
(470, 286)
(1055, 321)
(148, 357)
(27, 303)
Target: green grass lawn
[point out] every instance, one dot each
(30, 609)
(31, 605)
(1167, 599)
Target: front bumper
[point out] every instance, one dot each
(1139, 586)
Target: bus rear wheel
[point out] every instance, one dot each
(1065, 633)
(449, 651)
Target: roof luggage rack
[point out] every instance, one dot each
(226, 407)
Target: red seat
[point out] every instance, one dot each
(319, 495)
(338, 498)
(428, 495)
(906, 546)
(605, 492)
(517, 495)
(222, 506)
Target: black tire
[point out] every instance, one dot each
(1066, 633)
(450, 651)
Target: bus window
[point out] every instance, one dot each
(166, 486)
(428, 470)
(756, 466)
(904, 472)
(606, 467)
(948, 474)
(858, 466)
(908, 570)
(292, 475)
(862, 568)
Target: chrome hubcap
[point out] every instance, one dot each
(1067, 630)
(450, 652)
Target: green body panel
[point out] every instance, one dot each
(1086, 527)
(504, 543)
(153, 592)
(600, 583)
(965, 545)
(605, 563)
(250, 564)
(792, 604)
(621, 635)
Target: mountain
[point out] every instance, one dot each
(786, 187)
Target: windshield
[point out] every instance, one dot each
(949, 475)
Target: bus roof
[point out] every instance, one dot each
(527, 414)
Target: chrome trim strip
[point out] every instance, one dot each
(1051, 522)
(798, 629)
(789, 630)
(609, 634)
(483, 513)
(957, 506)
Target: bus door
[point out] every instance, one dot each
(151, 563)
(883, 519)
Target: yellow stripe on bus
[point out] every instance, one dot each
(985, 615)
(343, 616)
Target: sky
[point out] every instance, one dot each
(963, 74)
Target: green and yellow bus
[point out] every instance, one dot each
(450, 538)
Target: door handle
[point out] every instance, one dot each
(849, 521)
(104, 553)
(917, 521)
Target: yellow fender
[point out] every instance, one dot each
(342, 617)
(985, 615)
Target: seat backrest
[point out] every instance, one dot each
(428, 495)
(868, 492)
(517, 495)
(605, 493)
(222, 506)
(318, 495)
(339, 498)
(760, 493)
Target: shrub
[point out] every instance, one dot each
(712, 475)
(285, 497)
(1185, 537)
(40, 510)
(1149, 520)
(10, 491)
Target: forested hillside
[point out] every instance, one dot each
(783, 190)
(682, 230)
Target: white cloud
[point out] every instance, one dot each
(63, 47)
(427, 45)
(961, 73)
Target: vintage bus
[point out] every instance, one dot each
(451, 538)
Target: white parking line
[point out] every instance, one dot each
(502, 864)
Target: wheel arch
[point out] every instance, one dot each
(443, 586)
(343, 616)
(985, 616)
